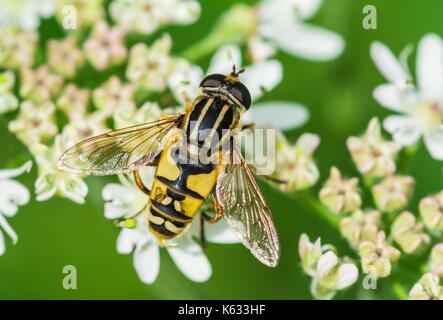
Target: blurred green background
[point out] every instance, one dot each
(338, 93)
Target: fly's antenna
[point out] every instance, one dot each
(234, 72)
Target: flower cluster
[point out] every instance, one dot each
(104, 74)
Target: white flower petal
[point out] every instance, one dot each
(434, 143)
(273, 10)
(12, 195)
(147, 262)
(224, 58)
(277, 114)
(262, 77)
(389, 96)
(347, 275)
(191, 260)
(305, 40)
(4, 225)
(404, 129)
(430, 67)
(185, 81)
(10, 173)
(120, 200)
(388, 64)
(326, 262)
(73, 188)
(220, 232)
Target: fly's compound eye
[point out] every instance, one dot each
(241, 93)
(213, 81)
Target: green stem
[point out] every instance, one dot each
(312, 203)
(399, 291)
(407, 159)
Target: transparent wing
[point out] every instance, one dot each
(119, 150)
(246, 211)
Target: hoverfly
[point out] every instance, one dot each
(182, 182)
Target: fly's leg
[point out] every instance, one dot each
(140, 184)
(248, 126)
(204, 244)
(138, 180)
(218, 216)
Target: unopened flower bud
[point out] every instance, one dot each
(431, 211)
(437, 259)
(373, 155)
(309, 253)
(393, 193)
(295, 164)
(377, 257)
(340, 195)
(427, 288)
(408, 234)
(361, 226)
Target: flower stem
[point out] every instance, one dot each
(312, 203)
(407, 159)
(399, 291)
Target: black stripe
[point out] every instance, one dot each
(195, 114)
(174, 195)
(169, 212)
(162, 229)
(178, 186)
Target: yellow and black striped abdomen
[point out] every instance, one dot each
(180, 187)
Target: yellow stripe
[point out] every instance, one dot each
(215, 126)
(194, 132)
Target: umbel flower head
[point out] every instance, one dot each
(39, 85)
(113, 94)
(8, 100)
(12, 195)
(373, 155)
(328, 272)
(377, 256)
(431, 211)
(105, 48)
(340, 195)
(437, 259)
(64, 57)
(17, 49)
(408, 234)
(427, 288)
(73, 99)
(147, 16)
(149, 67)
(35, 122)
(393, 193)
(51, 180)
(361, 226)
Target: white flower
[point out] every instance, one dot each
(125, 199)
(51, 180)
(421, 106)
(147, 16)
(25, 14)
(12, 195)
(281, 23)
(259, 78)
